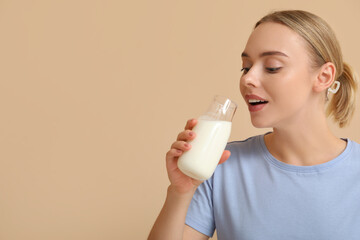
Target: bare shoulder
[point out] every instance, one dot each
(192, 234)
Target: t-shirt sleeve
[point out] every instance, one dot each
(200, 215)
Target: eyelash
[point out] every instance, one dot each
(245, 70)
(273, 70)
(269, 70)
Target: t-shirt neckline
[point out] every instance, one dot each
(303, 169)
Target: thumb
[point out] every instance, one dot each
(226, 154)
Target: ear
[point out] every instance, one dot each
(325, 77)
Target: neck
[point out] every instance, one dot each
(304, 144)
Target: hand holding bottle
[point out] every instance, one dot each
(180, 182)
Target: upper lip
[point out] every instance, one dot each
(253, 96)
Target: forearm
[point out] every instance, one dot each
(171, 220)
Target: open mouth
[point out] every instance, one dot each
(254, 102)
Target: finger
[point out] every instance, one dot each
(186, 135)
(173, 153)
(181, 145)
(226, 154)
(171, 159)
(191, 124)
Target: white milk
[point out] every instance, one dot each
(206, 149)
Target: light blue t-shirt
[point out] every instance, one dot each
(253, 196)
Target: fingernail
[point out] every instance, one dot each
(186, 145)
(191, 134)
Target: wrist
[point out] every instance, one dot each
(180, 193)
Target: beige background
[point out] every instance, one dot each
(93, 93)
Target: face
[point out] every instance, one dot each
(277, 78)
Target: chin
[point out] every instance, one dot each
(260, 123)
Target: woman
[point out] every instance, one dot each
(299, 181)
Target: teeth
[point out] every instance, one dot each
(255, 101)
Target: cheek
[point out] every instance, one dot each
(288, 92)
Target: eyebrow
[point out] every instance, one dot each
(270, 53)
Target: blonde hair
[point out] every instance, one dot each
(323, 48)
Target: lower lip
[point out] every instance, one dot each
(256, 108)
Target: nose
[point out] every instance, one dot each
(249, 79)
